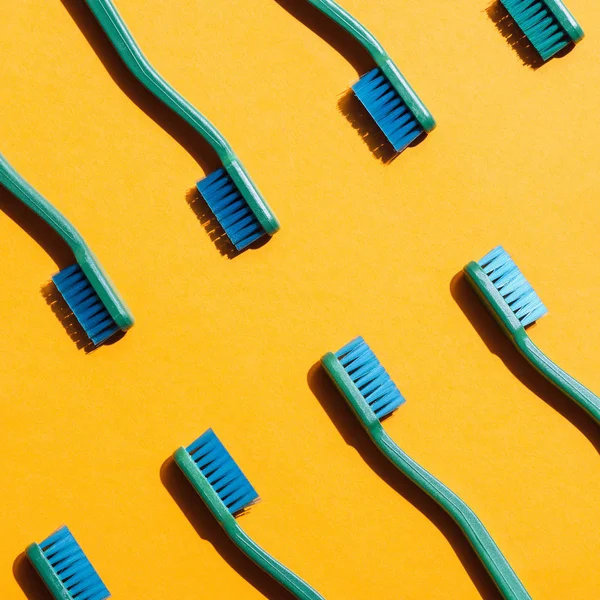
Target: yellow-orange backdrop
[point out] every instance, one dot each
(365, 248)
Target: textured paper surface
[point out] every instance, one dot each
(365, 248)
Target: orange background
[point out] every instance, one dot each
(365, 248)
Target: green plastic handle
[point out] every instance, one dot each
(512, 327)
(490, 555)
(382, 59)
(126, 46)
(356, 29)
(15, 184)
(124, 43)
(482, 542)
(288, 579)
(563, 381)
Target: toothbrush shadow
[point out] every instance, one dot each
(207, 219)
(64, 314)
(356, 114)
(341, 41)
(208, 529)
(59, 252)
(355, 436)
(498, 344)
(196, 146)
(515, 37)
(28, 579)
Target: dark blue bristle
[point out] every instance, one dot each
(512, 285)
(85, 303)
(72, 567)
(230, 209)
(539, 24)
(387, 109)
(369, 376)
(222, 472)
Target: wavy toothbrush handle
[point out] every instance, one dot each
(356, 29)
(15, 184)
(497, 566)
(563, 381)
(119, 35)
(289, 580)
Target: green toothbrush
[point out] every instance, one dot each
(84, 285)
(229, 192)
(226, 491)
(384, 91)
(515, 305)
(372, 395)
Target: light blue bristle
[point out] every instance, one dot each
(512, 285)
(230, 209)
(85, 303)
(222, 472)
(539, 24)
(72, 567)
(387, 109)
(369, 376)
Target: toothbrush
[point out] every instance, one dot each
(547, 24)
(372, 395)
(65, 569)
(229, 192)
(84, 285)
(227, 492)
(383, 91)
(515, 305)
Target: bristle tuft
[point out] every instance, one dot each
(85, 303)
(230, 209)
(369, 376)
(72, 567)
(388, 110)
(222, 472)
(539, 25)
(512, 285)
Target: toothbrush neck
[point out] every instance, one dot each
(289, 580)
(31, 198)
(347, 22)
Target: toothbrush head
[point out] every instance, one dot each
(65, 569)
(504, 290)
(363, 381)
(215, 476)
(93, 299)
(547, 24)
(237, 205)
(394, 106)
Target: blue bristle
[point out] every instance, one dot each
(230, 209)
(222, 472)
(85, 303)
(539, 24)
(387, 109)
(72, 567)
(512, 285)
(369, 376)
